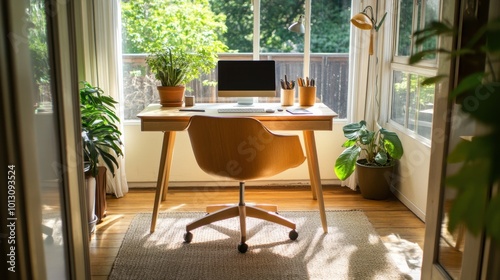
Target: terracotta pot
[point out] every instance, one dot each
(171, 96)
(374, 182)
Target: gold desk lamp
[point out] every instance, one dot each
(365, 22)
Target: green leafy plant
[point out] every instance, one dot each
(189, 28)
(100, 134)
(478, 95)
(169, 70)
(379, 147)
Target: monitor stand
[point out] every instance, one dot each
(246, 101)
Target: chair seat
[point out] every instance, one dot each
(241, 149)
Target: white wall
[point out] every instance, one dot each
(143, 156)
(413, 178)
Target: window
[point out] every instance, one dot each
(329, 47)
(411, 102)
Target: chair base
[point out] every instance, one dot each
(217, 207)
(223, 212)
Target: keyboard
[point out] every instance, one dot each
(241, 110)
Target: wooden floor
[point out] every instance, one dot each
(388, 216)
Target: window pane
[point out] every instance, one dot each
(412, 101)
(46, 134)
(275, 17)
(426, 109)
(330, 26)
(399, 91)
(404, 28)
(431, 14)
(239, 22)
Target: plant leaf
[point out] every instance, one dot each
(392, 144)
(351, 130)
(346, 162)
(433, 80)
(381, 158)
(467, 84)
(349, 143)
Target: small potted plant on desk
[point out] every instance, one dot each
(375, 168)
(172, 71)
(100, 138)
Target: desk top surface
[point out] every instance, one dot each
(158, 118)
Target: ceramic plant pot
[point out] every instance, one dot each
(171, 96)
(374, 182)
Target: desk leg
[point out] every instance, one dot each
(163, 174)
(312, 163)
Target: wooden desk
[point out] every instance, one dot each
(170, 119)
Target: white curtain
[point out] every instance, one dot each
(101, 29)
(362, 87)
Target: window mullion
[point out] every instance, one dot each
(417, 105)
(256, 30)
(407, 103)
(414, 25)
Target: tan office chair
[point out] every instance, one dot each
(241, 149)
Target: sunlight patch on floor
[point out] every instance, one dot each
(406, 254)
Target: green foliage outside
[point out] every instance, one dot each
(425, 92)
(211, 25)
(37, 38)
(478, 96)
(330, 25)
(189, 26)
(151, 25)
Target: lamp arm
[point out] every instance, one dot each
(371, 13)
(377, 27)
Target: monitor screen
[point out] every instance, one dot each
(246, 78)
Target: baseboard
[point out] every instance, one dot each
(267, 183)
(408, 203)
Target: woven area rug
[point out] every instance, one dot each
(351, 250)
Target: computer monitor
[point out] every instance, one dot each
(246, 79)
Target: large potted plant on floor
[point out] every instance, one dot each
(171, 68)
(373, 154)
(100, 138)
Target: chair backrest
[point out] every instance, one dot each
(241, 148)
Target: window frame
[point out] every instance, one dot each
(425, 68)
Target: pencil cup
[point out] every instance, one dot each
(287, 97)
(307, 96)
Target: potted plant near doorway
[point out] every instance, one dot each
(171, 67)
(373, 154)
(100, 138)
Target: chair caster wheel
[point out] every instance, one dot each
(188, 237)
(293, 234)
(242, 247)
